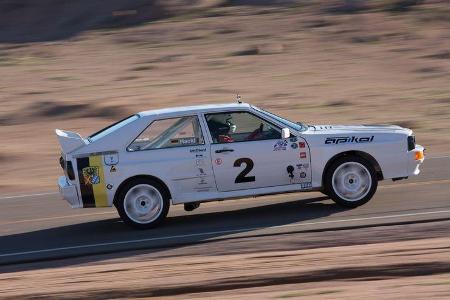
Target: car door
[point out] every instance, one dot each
(248, 152)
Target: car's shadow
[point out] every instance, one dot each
(176, 231)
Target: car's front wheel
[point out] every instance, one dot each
(143, 203)
(351, 181)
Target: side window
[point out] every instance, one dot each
(240, 127)
(169, 133)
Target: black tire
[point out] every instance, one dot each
(366, 194)
(324, 192)
(142, 183)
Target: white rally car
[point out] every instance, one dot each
(189, 155)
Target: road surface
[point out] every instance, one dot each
(43, 227)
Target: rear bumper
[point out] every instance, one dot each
(69, 192)
(415, 159)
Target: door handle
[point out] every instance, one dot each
(224, 150)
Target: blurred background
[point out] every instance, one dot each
(82, 64)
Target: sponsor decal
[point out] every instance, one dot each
(293, 139)
(109, 186)
(306, 185)
(294, 146)
(302, 154)
(113, 169)
(90, 175)
(201, 172)
(290, 170)
(111, 159)
(302, 144)
(280, 145)
(348, 139)
(303, 166)
(197, 150)
(200, 162)
(302, 175)
(92, 181)
(202, 181)
(218, 161)
(188, 141)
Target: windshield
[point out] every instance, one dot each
(296, 126)
(111, 128)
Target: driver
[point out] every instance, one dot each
(221, 129)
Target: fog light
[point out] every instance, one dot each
(419, 155)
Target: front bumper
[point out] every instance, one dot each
(415, 159)
(69, 192)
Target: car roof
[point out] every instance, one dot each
(194, 109)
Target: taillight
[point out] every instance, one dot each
(61, 162)
(67, 167)
(70, 172)
(411, 142)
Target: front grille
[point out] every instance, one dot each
(411, 142)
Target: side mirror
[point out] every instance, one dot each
(285, 133)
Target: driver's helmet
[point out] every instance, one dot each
(220, 125)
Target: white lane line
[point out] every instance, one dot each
(437, 157)
(29, 195)
(231, 231)
(391, 186)
(59, 217)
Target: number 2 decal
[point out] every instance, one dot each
(248, 167)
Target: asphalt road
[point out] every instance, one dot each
(41, 227)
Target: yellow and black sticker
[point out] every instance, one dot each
(92, 181)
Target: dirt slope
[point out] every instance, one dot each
(43, 20)
(314, 61)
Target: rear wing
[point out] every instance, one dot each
(69, 141)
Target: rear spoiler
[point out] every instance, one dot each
(69, 141)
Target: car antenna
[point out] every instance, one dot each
(238, 98)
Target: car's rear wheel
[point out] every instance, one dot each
(143, 203)
(351, 181)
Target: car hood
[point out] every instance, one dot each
(339, 129)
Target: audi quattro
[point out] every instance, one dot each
(188, 155)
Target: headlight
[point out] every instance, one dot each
(419, 155)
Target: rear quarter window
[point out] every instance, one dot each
(169, 133)
(111, 128)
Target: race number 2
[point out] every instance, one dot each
(248, 167)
